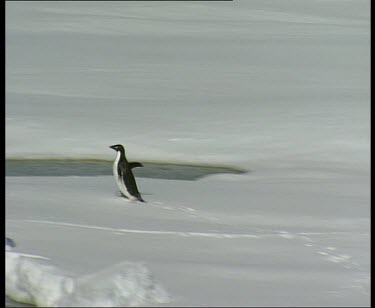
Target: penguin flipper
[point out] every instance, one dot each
(135, 165)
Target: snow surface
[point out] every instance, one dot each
(224, 240)
(280, 88)
(34, 282)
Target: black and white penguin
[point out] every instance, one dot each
(122, 171)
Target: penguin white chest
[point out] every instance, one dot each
(115, 164)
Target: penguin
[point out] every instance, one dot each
(122, 171)
(9, 243)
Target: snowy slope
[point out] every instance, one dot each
(241, 81)
(219, 241)
(280, 88)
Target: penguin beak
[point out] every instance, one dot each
(112, 147)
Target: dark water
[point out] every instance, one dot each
(70, 167)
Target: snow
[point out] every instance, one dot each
(34, 282)
(279, 88)
(305, 241)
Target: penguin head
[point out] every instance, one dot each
(118, 147)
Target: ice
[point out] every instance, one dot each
(196, 239)
(32, 281)
(279, 88)
(288, 81)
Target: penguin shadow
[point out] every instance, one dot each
(159, 204)
(121, 195)
(191, 212)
